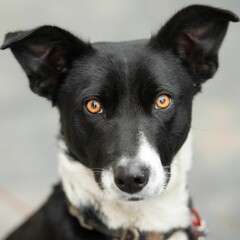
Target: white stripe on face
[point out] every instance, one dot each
(147, 157)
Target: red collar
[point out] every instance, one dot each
(198, 225)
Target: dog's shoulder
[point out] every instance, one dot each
(41, 225)
(53, 221)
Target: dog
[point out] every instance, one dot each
(125, 116)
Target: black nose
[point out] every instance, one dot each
(131, 178)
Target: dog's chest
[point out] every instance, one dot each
(160, 214)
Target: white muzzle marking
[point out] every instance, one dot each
(146, 156)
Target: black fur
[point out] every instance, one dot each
(126, 78)
(52, 221)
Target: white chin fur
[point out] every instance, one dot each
(162, 212)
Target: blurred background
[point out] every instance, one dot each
(29, 125)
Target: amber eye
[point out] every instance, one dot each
(163, 101)
(93, 106)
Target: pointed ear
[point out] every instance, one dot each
(194, 35)
(46, 54)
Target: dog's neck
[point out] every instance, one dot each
(166, 212)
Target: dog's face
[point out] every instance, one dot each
(125, 112)
(125, 108)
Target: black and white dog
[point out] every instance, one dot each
(125, 113)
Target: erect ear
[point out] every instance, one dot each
(46, 54)
(195, 34)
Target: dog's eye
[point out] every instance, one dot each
(94, 107)
(163, 101)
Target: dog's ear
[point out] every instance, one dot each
(195, 34)
(46, 54)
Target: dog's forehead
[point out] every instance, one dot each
(121, 57)
(121, 49)
(140, 57)
(129, 66)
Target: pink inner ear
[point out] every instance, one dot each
(185, 45)
(193, 37)
(197, 34)
(51, 54)
(56, 58)
(40, 50)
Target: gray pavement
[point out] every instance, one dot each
(28, 124)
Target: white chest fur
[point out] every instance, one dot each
(163, 213)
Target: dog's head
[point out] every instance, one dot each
(125, 108)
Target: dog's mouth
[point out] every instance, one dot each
(135, 199)
(119, 196)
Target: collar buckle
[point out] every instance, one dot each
(130, 233)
